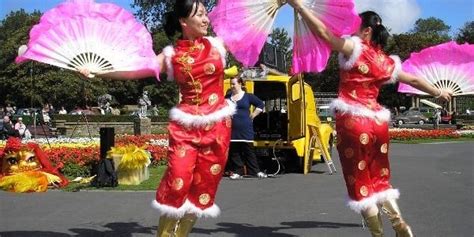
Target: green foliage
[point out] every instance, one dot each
(405, 44)
(280, 38)
(327, 80)
(153, 12)
(73, 170)
(431, 25)
(466, 33)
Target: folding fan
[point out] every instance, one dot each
(244, 25)
(99, 37)
(448, 66)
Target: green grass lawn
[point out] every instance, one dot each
(156, 173)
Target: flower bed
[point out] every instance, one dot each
(80, 155)
(413, 134)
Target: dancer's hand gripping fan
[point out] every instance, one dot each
(447, 66)
(93, 37)
(244, 25)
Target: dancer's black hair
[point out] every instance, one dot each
(379, 32)
(182, 9)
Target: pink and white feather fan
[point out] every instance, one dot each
(448, 66)
(244, 25)
(99, 37)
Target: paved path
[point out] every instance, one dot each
(435, 180)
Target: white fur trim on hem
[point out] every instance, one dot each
(192, 120)
(348, 63)
(169, 52)
(396, 70)
(376, 198)
(339, 105)
(219, 45)
(187, 207)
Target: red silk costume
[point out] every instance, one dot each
(199, 129)
(362, 124)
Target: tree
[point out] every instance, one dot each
(466, 33)
(431, 25)
(152, 12)
(282, 41)
(327, 80)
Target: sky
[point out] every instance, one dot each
(397, 15)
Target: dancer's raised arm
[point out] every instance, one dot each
(130, 75)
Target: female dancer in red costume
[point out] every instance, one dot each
(199, 127)
(362, 123)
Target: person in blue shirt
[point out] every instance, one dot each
(241, 151)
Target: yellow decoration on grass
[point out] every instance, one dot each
(31, 181)
(133, 157)
(131, 163)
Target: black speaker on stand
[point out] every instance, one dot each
(105, 170)
(107, 140)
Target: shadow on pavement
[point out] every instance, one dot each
(248, 230)
(119, 229)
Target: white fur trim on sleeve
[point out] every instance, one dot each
(169, 52)
(345, 63)
(219, 45)
(396, 70)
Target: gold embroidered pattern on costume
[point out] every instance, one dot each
(364, 191)
(204, 198)
(209, 68)
(213, 99)
(363, 68)
(215, 169)
(364, 138)
(362, 164)
(178, 184)
(384, 148)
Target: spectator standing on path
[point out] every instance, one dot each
(241, 151)
(361, 122)
(437, 118)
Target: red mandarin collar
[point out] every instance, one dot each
(182, 43)
(372, 45)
